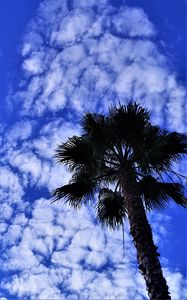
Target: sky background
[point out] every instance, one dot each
(58, 60)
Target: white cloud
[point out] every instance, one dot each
(133, 22)
(81, 257)
(33, 157)
(26, 49)
(86, 73)
(72, 27)
(53, 79)
(5, 211)
(20, 131)
(177, 284)
(26, 162)
(85, 4)
(32, 65)
(11, 190)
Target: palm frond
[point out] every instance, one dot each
(127, 121)
(174, 191)
(108, 174)
(148, 153)
(75, 193)
(82, 175)
(175, 144)
(92, 123)
(111, 208)
(159, 148)
(95, 126)
(157, 194)
(75, 152)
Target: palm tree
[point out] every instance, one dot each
(126, 159)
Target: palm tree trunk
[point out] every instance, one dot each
(147, 254)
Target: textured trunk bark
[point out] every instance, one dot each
(147, 254)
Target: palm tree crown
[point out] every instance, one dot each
(113, 147)
(126, 159)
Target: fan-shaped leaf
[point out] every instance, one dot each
(75, 193)
(93, 124)
(159, 148)
(174, 191)
(127, 122)
(110, 208)
(157, 194)
(175, 144)
(75, 152)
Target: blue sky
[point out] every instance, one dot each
(58, 60)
